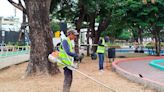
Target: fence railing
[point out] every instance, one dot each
(6, 51)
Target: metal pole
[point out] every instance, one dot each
(3, 38)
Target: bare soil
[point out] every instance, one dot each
(11, 80)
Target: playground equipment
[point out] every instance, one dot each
(157, 64)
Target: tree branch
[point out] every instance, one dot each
(19, 5)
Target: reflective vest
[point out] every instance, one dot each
(101, 49)
(66, 59)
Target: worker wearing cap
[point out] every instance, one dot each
(101, 51)
(67, 55)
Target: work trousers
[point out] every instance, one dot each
(101, 60)
(67, 79)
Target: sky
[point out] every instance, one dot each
(7, 10)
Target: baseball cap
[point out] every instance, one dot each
(73, 31)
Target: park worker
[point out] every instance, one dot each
(67, 55)
(101, 51)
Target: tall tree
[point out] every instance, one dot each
(99, 11)
(70, 11)
(40, 36)
(146, 16)
(20, 6)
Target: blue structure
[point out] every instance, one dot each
(147, 51)
(156, 64)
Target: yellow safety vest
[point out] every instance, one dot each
(66, 59)
(101, 49)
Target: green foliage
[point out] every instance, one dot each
(54, 26)
(123, 14)
(19, 44)
(113, 45)
(53, 5)
(11, 43)
(134, 32)
(112, 33)
(145, 16)
(126, 35)
(152, 45)
(64, 10)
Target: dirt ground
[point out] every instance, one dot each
(11, 80)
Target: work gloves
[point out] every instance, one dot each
(77, 57)
(78, 60)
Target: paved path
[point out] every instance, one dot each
(8, 61)
(142, 67)
(139, 70)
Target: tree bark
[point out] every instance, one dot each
(140, 31)
(41, 37)
(18, 5)
(156, 34)
(157, 43)
(92, 27)
(88, 49)
(78, 24)
(23, 27)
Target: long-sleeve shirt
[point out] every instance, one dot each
(66, 48)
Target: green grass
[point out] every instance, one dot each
(130, 55)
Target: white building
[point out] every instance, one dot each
(9, 23)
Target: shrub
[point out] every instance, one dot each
(152, 45)
(113, 45)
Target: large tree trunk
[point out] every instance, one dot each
(92, 17)
(156, 34)
(97, 36)
(135, 34)
(140, 31)
(78, 24)
(22, 28)
(40, 36)
(157, 42)
(88, 49)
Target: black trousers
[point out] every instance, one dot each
(67, 79)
